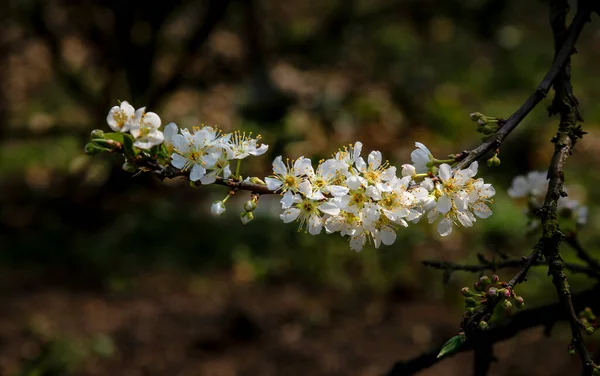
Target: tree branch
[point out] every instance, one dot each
(568, 132)
(581, 18)
(493, 266)
(531, 318)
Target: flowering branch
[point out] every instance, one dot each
(581, 18)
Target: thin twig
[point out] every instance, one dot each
(581, 18)
(494, 266)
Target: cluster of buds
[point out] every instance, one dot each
(588, 320)
(486, 125)
(489, 301)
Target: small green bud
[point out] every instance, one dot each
(246, 217)
(483, 325)
(596, 371)
(97, 133)
(475, 116)
(249, 206)
(256, 180)
(506, 304)
(589, 330)
(494, 161)
(485, 280)
(572, 351)
(465, 291)
(471, 302)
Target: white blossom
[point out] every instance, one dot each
(119, 117)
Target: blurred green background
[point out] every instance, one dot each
(104, 272)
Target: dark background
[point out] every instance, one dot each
(105, 273)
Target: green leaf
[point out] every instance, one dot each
(452, 345)
(115, 136)
(92, 148)
(130, 151)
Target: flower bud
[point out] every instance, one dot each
(494, 161)
(256, 180)
(246, 217)
(482, 120)
(589, 330)
(408, 170)
(471, 302)
(519, 302)
(250, 205)
(217, 208)
(495, 279)
(483, 325)
(475, 116)
(466, 292)
(485, 280)
(572, 351)
(596, 371)
(492, 291)
(506, 304)
(97, 133)
(507, 293)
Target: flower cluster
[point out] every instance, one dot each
(142, 125)
(206, 152)
(367, 201)
(533, 188)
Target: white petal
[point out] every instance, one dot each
(445, 172)
(338, 190)
(197, 172)
(279, 167)
(374, 159)
(388, 236)
(361, 165)
(287, 200)
(444, 204)
(445, 227)
(170, 131)
(289, 215)
(178, 161)
(329, 208)
(357, 242)
(305, 188)
(408, 170)
(273, 184)
(315, 224)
